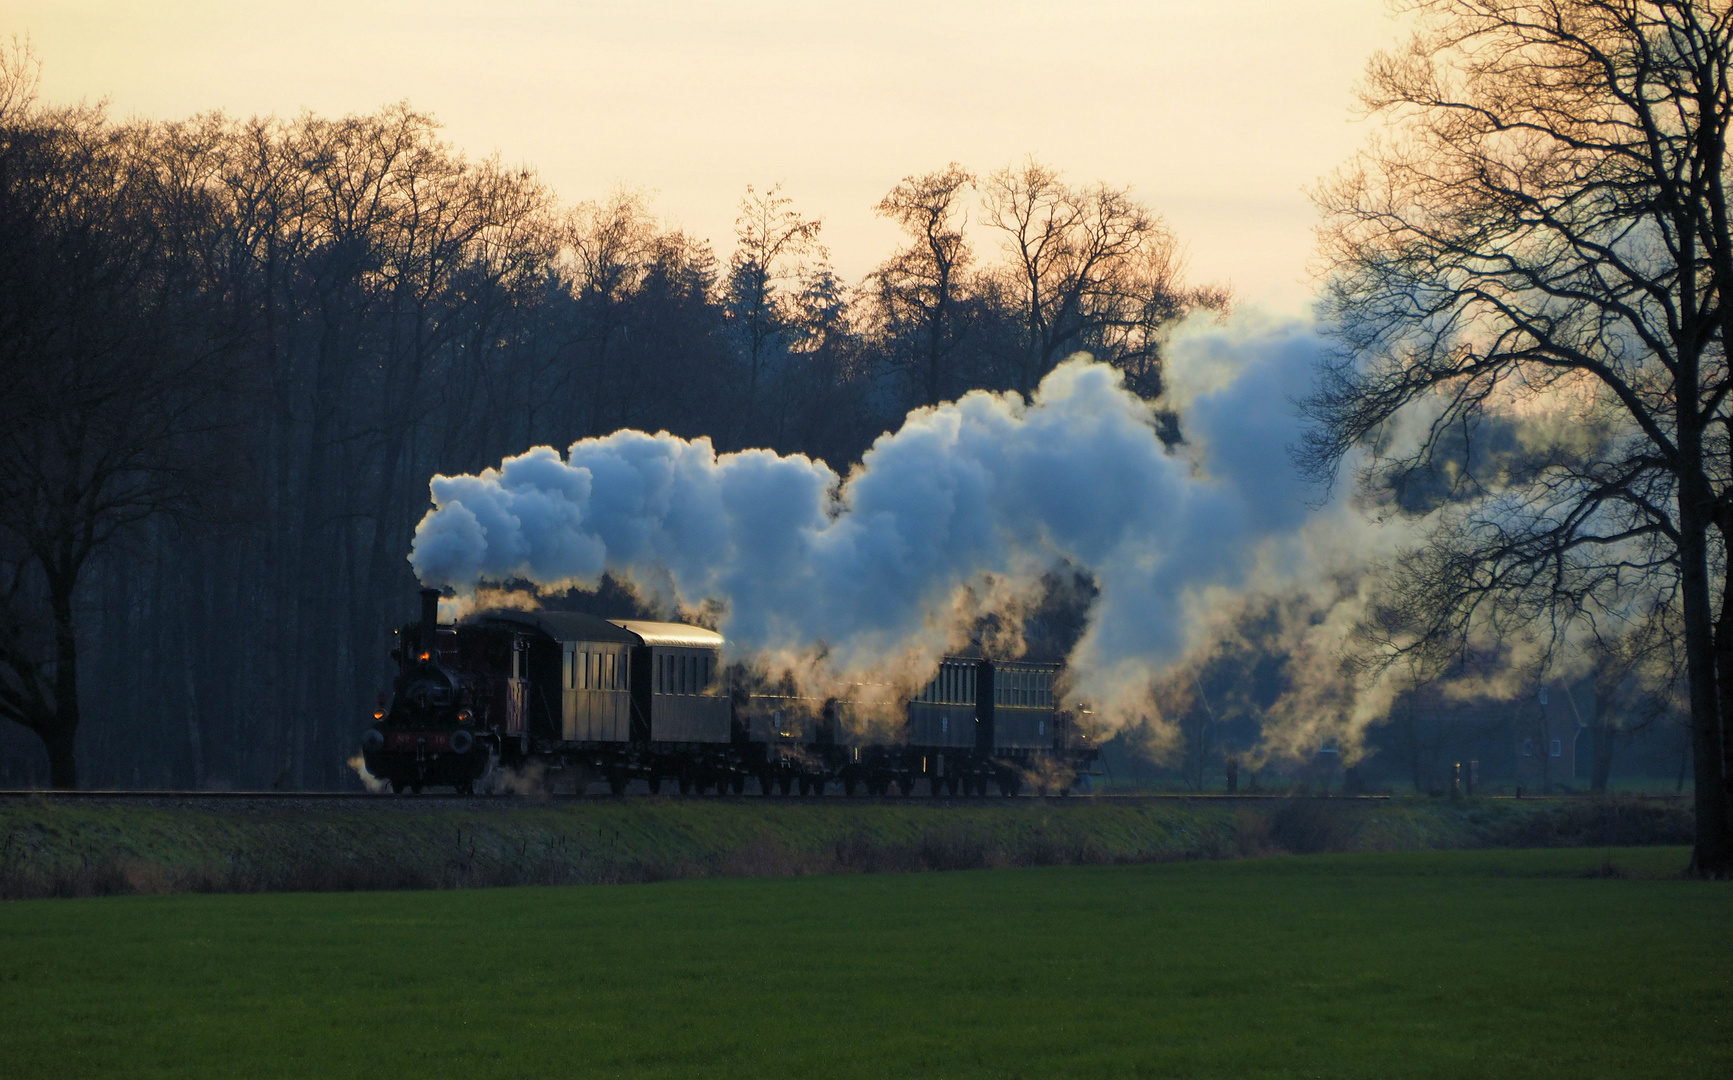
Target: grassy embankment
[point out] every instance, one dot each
(1503, 964)
(51, 847)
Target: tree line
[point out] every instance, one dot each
(234, 351)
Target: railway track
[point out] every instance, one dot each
(450, 797)
(281, 797)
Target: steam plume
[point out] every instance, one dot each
(963, 508)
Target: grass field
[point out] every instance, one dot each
(1492, 963)
(87, 847)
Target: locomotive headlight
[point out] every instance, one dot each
(465, 717)
(373, 740)
(461, 741)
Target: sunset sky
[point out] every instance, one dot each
(1219, 116)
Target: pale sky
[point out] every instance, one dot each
(1219, 115)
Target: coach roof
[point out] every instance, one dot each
(671, 633)
(576, 626)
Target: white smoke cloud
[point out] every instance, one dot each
(978, 497)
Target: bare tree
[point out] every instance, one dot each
(1543, 234)
(1091, 268)
(612, 244)
(104, 380)
(918, 290)
(771, 239)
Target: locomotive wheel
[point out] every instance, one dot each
(848, 785)
(906, 785)
(818, 785)
(616, 784)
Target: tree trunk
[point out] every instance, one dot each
(1709, 671)
(62, 760)
(1602, 736)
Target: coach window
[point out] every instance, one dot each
(569, 669)
(659, 674)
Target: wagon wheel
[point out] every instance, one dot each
(805, 785)
(785, 783)
(655, 783)
(906, 785)
(685, 784)
(616, 783)
(938, 784)
(397, 787)
(848, 785)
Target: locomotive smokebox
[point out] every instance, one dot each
(430, 624)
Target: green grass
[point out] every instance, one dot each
(1490, 963)
(51, 847)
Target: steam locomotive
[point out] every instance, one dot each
(625, 699)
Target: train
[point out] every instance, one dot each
(541, 693)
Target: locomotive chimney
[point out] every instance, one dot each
(429, 624)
